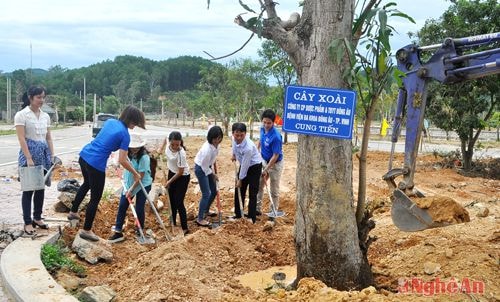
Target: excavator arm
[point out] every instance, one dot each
(447, 65)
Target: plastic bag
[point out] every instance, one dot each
(31, 178)
(68, 185)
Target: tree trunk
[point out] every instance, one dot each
(360, 208)
(326, 234)
(467, 154)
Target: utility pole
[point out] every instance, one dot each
(9, 100)
(95, 104)
(84, 102)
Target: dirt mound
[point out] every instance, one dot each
(443, 209)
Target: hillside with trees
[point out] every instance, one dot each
(182, 86)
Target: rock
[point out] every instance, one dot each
(268, 226)
(92, 251)
(67, 281)
(495, 237)
(67, 198)
(60, 207)
(448, 253)
(431, 268)
(370, 290)
(97, 294)
(482, 211)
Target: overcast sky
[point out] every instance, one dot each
(79, 33)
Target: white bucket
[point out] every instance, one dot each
(31, 178)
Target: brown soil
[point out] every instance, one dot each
(206, 264)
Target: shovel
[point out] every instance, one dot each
(158, 217)
(274, 213)
(408, 217)
(142, 238)
(238, 190)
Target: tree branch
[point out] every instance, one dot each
(230, 54)
(270, 8)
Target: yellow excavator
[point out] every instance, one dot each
(448, 64)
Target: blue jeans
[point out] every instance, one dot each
(140, 202)
(208, 191)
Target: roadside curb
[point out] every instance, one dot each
(23, 274)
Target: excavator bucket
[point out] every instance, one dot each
(407, 216)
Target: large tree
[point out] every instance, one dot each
(326, 235)
(467, 106)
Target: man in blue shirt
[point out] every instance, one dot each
(271, 149)
(245, 151)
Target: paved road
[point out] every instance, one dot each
(71, 140)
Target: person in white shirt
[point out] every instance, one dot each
(205, 169)
(178, 177)
(32, 129)
(247, 154)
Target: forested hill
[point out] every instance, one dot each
(126, 74)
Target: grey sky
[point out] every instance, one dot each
(79, 33)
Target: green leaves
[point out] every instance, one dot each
(246, 7)
(54, 257)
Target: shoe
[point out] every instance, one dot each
(29, 233)
(203, 223)
(211, 214)
(116, 237)
(233, 218)
(73, 216)
(185, 232)
(90, 236)
(41, 225)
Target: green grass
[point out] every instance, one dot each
(7, 132)
(107, 194)
(55, 257)
(13, 130)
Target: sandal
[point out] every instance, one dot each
(41, 225)
(29, 233)
(203, 223)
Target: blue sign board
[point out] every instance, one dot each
(319, 111)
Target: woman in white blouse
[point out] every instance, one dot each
(32, 128)
(178, 177)
(205, 169)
